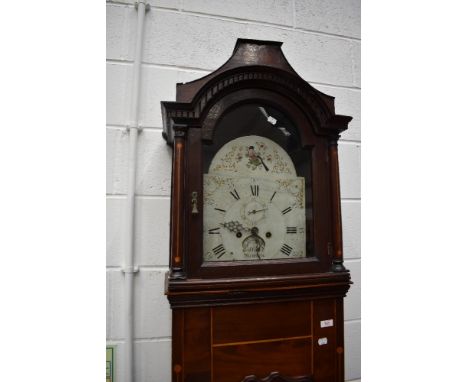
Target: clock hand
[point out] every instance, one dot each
(264, 165)
(255, 211)
(234, 226)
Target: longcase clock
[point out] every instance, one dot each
(256, 280)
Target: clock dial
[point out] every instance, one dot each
(250, 216)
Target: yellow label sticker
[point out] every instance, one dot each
(110, 364)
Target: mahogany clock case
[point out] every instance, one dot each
(262, 318)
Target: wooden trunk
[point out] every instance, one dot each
(229, 343)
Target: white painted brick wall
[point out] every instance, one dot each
(120, 32)
(152, 358)
(268, 11)
(153, 176)
(340, 17)
(350, 174)
(152, 313)
(351, 220)
(184, 40)
(352, 302)
(347, 102)
(151, 230)
(352, 330)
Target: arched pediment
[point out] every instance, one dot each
(253, 65)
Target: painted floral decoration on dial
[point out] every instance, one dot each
(253, 215)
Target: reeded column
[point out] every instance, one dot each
(337, 232)
(177, 204)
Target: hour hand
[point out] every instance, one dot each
(234, 226)
(263, 163)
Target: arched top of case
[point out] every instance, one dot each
(254, 64)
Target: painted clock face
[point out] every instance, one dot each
(254, 203)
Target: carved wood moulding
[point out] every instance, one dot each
(269, 70)
(209, 292)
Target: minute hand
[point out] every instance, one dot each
(255, 211)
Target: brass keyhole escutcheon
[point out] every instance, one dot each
(194, 202)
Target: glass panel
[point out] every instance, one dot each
(257, 188)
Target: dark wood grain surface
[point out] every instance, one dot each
(277, 377)
(234, 363)
(197, 363)
(325, 353)
(256, 322)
